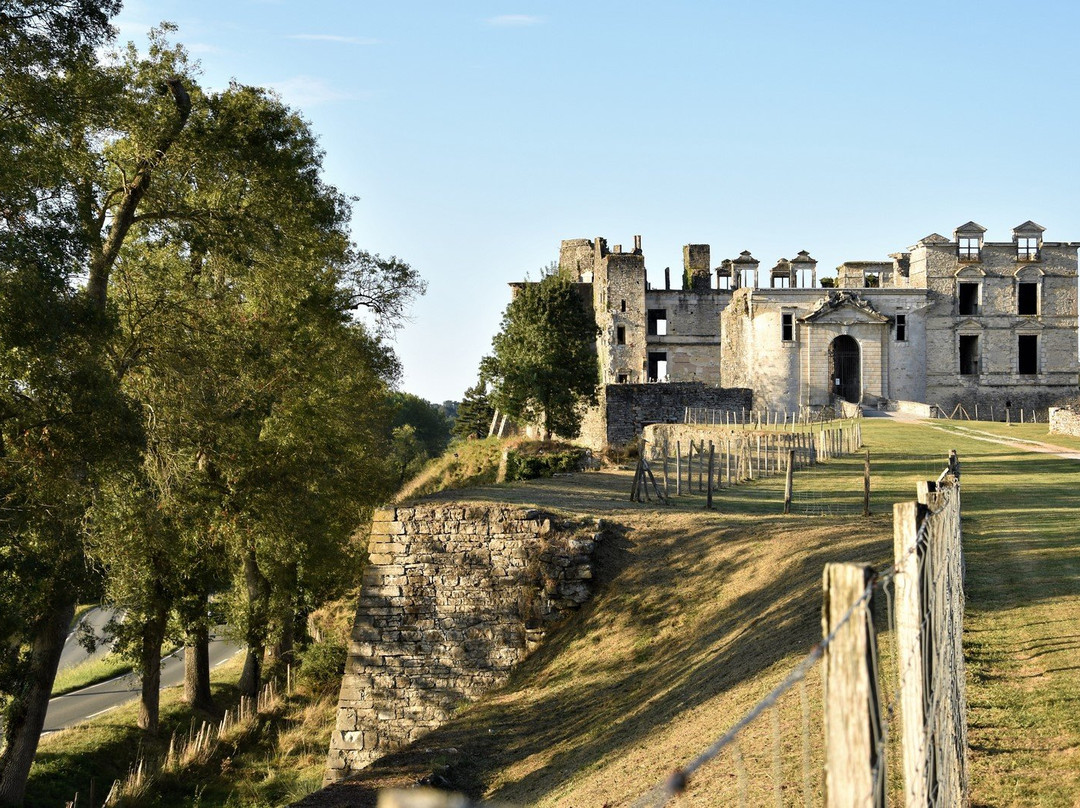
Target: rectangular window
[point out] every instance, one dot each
(872, 280)
(622, 377)
(658, 322)
(622, 306)
(969, 355)
(901, 328)
(969, 298)
(787, 327)
(657, 366)
(1027, 354)
(968, 249)
(1027, 249)
(620, 335)
(1027, 298)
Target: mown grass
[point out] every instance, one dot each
(698, 614)
(90, 672)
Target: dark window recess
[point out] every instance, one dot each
(1027, 354)
(620, 335)
(622, 377)
(969, 298)
(623, 305)
(657, 365)
(787, 327)
(1027, 298)
(901, 328)
(969, 355)
(658, 322)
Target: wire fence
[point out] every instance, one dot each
(907, 704)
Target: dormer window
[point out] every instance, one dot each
(1027, 248)
(968, 248)
(969, 238)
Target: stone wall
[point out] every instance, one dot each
(454, 596)
(626, 408)
(1065, 421)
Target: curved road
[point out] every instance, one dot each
(78, 706)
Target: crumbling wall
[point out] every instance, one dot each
(1065, 421)
(454, 596)
(629, 407)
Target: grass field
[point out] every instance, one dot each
(699, 613)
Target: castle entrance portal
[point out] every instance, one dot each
(845, 378)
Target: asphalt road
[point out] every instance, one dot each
(74, 653)
(80, 705)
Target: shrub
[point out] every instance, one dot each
(531, 461)
(322, 664)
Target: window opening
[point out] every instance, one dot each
(872, 280)
(968, 248)
(1027, 354)
(622, 377)
(1027, 298)
(901, 328)
(623, 306)
(787, 327)
(620, 335)
(657, 366)
(969, 298)
(658, 322)
(1027, 249)
(969, 354)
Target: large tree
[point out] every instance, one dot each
(543, 367)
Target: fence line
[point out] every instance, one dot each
(740, 456)
(759, 418)
(925, 611)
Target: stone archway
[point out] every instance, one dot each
(845, 368)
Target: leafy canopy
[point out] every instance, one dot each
(543, 367)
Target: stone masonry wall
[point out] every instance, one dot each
(454, 596)
(630, 406)
(1064, 421)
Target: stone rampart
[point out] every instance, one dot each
(627, 408)
(1064, 421)
(454, 596)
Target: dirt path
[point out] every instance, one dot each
(1015, 443)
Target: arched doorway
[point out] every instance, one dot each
(845, 379)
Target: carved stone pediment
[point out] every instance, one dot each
(845, 306)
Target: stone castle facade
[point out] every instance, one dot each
(947, 322)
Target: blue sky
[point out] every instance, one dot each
(477, 135)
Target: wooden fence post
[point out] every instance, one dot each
(708, 488)
(690, 468)
(665, 467)
(678, 468)
(866, 485)
(788, 480)
(854, 764)
(909, 652)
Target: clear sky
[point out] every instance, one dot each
(477, 135)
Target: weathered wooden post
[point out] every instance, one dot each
(788, 480)
(690, 468)
(909, 652)
(708, 488)
(854, 763)
(678, 468)
(700, 465)
(665, 467)
(727, 460)
(866, 485)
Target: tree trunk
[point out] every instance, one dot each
(27, 717)
(258, 594)
(153, 636)
(197, 670)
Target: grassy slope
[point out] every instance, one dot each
(699, 614)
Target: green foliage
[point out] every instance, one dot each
(531, 461)
(322, 664)
(828, 283)
(543, 367)
(474, 413)
(429, 421)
